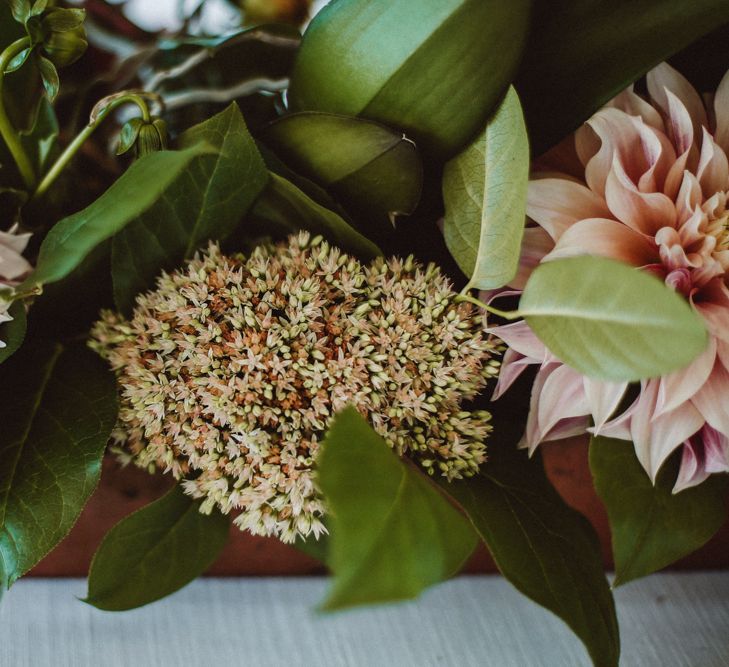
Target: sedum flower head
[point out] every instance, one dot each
(232, 368)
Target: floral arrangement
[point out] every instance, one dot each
(342, 285)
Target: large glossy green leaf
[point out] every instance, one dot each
(136, 191)
(392, 533)
(154, 552)
(651, 527)
(12, 333)
(434, 68)
(609, 320)
(284, 209)
(365, 164)
(207, 202)
(547, 550)
(57, 409)
(581, 53)
(484, 189)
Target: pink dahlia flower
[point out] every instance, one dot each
(645, 181)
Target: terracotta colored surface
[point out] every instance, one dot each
(125, 490)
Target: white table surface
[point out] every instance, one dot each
(669, 620)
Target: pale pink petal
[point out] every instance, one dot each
(562, 397)
(713, 168)
(714, 308)
(644, 212)
(513, 365)
(664, 80)
(568, 428)
(531, 440)
(535, 245)
(521, 338)
(689, 197)
(692, 471)
(603, 399)
(667, 433)
(712, 400)
(680, 386)
(721, 109)
(605, 238)
(716, 450)
(634, 105)
(556, 204)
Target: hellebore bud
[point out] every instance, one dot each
(59, 33)
(144, 136)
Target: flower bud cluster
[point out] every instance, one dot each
(231, 370)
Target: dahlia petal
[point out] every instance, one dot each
(556, 204)
(634, 105)
(535, 245)
(659, 155)
(562, 397)
(605, 238)
(619, 135)
(692, 471)
(683, 129)
(714, 308)
(603, 399)
(711, 399)
(716, 450)
(521, 338)
(681, 385)
(721, 109)
(513, 365)
(568, 428)
(664, 81)
(689, 197)
(667, 433)
(531, 440)
(713, 169)
(644, 212)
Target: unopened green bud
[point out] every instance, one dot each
(145, 137)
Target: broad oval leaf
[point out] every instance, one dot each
(73, 238)
(207, 201)
(485, 190)
(547, 550)
(284, 209)
(12, 333)
(57, 409)
(603, 46)
(365, 164)
(392, 533)
(434, 68)
(609, 320)
(154, 552)
(651, 526)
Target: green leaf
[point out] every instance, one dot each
(651, 527)
(19, 60)
(154, 552)
(547, 550)
(485, 189)
(20, 9)
(609, 320)
(12, 333)
(49, 75)
(40, 141)
(134, 193)
(284, 209)
(207, 201)
(434, 68)
(392, 533)
(363, 163)
(57, 408)
(581, 53)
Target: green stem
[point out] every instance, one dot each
(507, 315)
(11, 137)
(82, 136)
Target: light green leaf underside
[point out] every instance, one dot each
(485, 189)
(609, 320)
